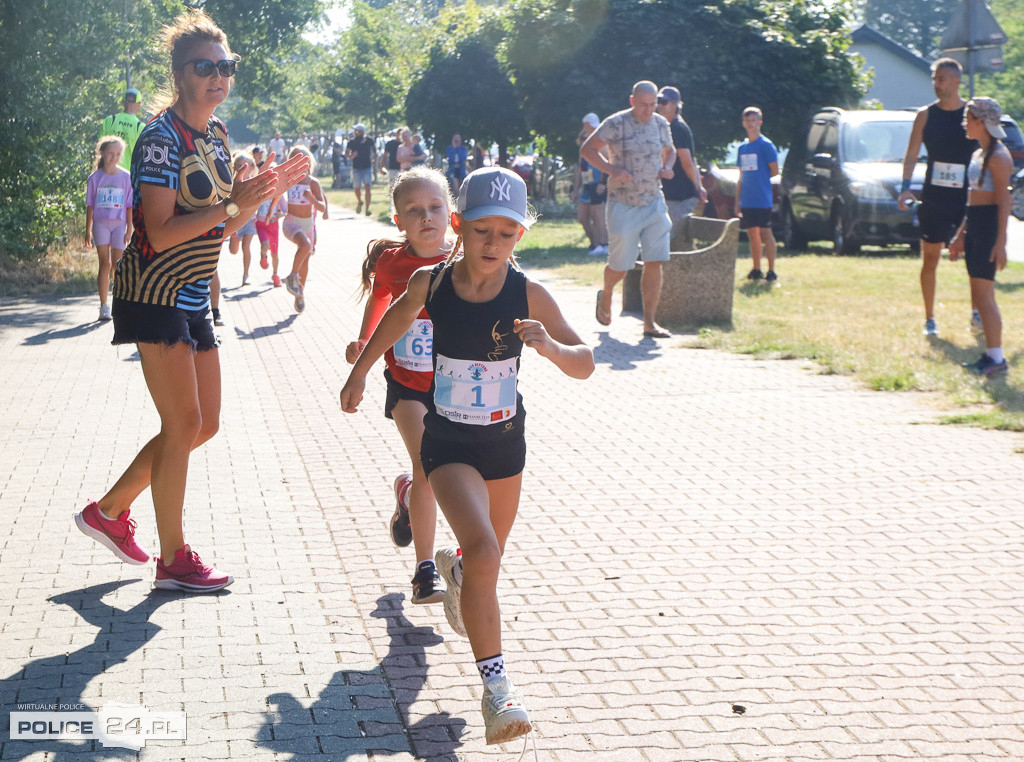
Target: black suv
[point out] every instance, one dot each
(841, 179)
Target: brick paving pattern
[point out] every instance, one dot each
(716, 559)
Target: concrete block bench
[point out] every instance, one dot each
(698, 283)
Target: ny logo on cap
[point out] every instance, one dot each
(500, 185)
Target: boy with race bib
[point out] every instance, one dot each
(483, 310)
(420, 205)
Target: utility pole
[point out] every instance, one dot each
(975, 39)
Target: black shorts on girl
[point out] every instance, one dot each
(982, 231)
(494, 460)
(398, 392)
(938, 221)
(139, 323)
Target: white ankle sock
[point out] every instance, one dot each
(491, 668)
(996, 353)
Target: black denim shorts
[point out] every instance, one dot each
(138, 323)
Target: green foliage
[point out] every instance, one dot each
(1008, 87)
(569, 57)
(916, 24)
(371, 67)
(464, 87)
(64, 71)
(59, 79)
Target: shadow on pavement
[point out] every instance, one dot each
(65, 333)
(621, 356)
(357, 712)
(266, 330)
(63, 678)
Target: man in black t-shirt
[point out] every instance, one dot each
(389, 160)
(684, 189)
(361, 152)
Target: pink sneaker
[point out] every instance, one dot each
(277, 280)
(189, 573)
(118, 535)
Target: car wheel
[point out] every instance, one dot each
(792, 238)
(841, 242)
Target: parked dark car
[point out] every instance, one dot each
(1014, 141)
(841, 179)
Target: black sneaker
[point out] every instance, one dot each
(771, 277)
(427, 586)
(755, 275)
(986, 366)
(401, 529)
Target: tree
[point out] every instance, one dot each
(916, 24)
(372, 64)
(569, 57)
(464, 87)
(1008, 86)
(65, 70)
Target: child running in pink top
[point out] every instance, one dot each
(420, 204)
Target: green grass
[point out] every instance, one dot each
(856, 316)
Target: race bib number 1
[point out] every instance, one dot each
(416, 348)
(946, 175)
(474, 392)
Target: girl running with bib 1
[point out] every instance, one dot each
(304, 200)
(421, 205)
(108, 197)
(484, 310)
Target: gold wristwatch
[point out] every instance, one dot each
(231, 207)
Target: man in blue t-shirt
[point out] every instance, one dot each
(759, 163)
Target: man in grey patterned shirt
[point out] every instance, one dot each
(634, 147)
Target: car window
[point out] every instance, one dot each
(830, 140)
(876, 141)
(1014, 137)
(814, 136)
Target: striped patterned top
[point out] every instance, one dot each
(170, 154)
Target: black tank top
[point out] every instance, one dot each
(948, 146)
(476, 362)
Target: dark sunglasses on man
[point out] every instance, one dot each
(204, 67)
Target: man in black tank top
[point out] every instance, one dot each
(939, 127)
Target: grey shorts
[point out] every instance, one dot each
(633, 230)
(362, 177)
(678, 210)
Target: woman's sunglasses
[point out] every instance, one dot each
(204, 67)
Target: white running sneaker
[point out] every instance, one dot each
(445, 560)
(292, 284)
(976, 325)
(105, 312)
(505, 716)
(931, 328)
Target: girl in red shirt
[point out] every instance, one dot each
(421, 206)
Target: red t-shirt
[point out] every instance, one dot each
(394, 268)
